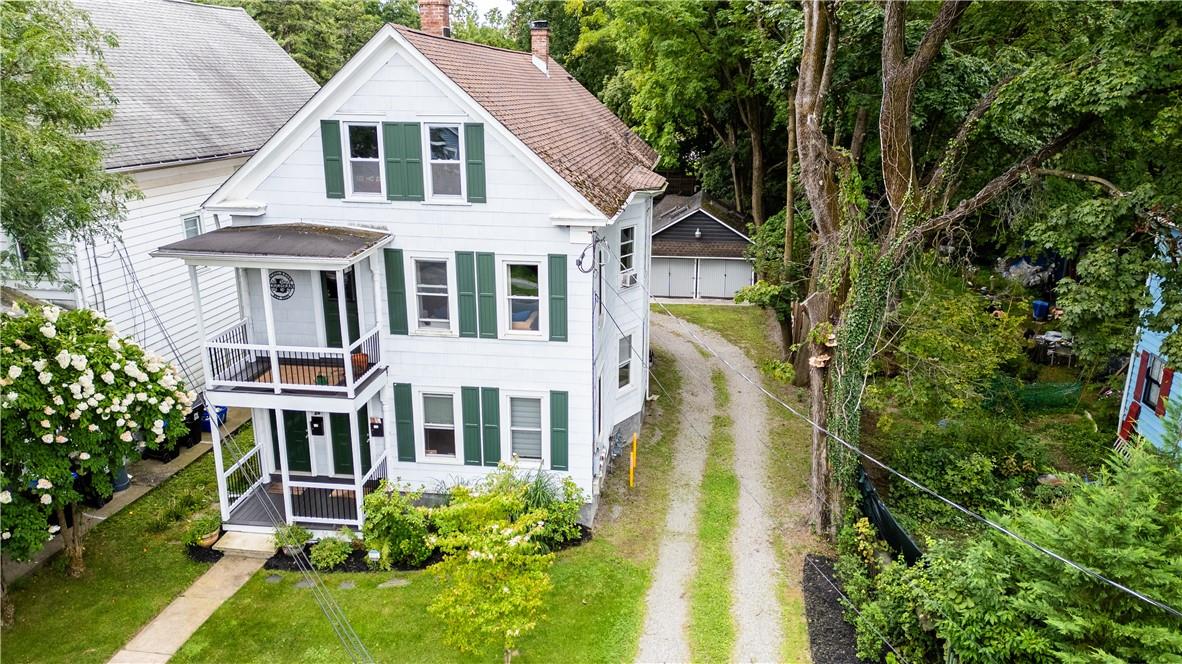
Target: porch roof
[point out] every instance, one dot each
(268, 243)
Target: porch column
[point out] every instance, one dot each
(243, 296)
(388, 440)
(215, 435)
(377, 271)
(345, 342)
(281, 435)
(195, 286)
(265, 294)
(358, 475)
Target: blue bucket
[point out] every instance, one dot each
(220, 414)
(1040, 309)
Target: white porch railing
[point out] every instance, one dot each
(244, 476)
(374, 477)
(234, 362)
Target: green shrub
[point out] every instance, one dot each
(396, 527)
(292, 535)
(506, 495)
(330, 552)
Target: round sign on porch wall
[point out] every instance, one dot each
(282, 285)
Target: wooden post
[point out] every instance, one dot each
(632, 464)
(284, 475)
(355, 440)
(267, 308)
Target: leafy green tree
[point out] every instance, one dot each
(78, 402)
(54, 90)
(495, 580)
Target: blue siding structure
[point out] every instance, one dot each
(1148, 383)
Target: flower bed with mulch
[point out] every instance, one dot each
(831, 638)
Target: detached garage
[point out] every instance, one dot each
(698, 249)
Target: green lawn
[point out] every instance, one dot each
(751, 329)
(136, 565)
(594, 614)
(712, 627)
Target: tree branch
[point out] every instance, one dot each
(935, 179)
(929, 47)
(1081, 177)
(830, 56)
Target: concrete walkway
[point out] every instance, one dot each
(162, 637)
(146, 474)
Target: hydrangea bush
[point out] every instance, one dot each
(77, 401)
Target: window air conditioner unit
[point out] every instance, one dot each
(628, 279)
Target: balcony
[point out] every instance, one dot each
(238, 364)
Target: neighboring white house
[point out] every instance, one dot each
(699, 249)
(442, 259)
(199, 89)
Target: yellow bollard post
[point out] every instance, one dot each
(632, 464)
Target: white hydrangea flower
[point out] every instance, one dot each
(48, 330)
(61, 438)
(5, 535)
(92, 427)
(14, 371)
(20, 343)
(74, 415)
(45, 424)
(125, 436)
(120, 422)
(141, 396)
(49, 411)
(44, 377)
(78, 362)
(165, 407)
(12, 396)
(40, 365)
(47, 438)
(46, 499)
(51, 313)
(85, 456)
(108, 377)
(5, 497)
(58, 400)
(113, 343)
(44, 484)
(63, 359)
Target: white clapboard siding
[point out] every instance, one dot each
(170, 194)
(515, 222)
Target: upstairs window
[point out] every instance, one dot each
(627, 237)
(446, 165)
(365, 160)
(625, 361)
(192, 226)
(1153, 377)
(524, 297)
(434, 311)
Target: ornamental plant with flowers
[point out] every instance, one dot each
(77, 401)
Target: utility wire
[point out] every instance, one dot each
(985, 520)
(336, 617)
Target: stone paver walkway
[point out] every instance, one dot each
(162, 637)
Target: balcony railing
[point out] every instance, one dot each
(235, 363)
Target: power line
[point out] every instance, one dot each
(985, 520)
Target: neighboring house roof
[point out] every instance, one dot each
(553, 115)
(672, 208)
(278, 241)
(194, 82)
(725, 241)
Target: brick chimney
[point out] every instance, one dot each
(539, 43)
(434, 18)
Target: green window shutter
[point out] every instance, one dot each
(474, 153)
(403, 148)
(395, 291)
(404, 426)
(557, 297)
(486, 295)
(490, 409)
(466, 292)
(334, 168)
(470, 404)
(559, 430)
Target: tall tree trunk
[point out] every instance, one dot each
(7, 613)
(790, 195)
(72, 540)
(859, 137)
(818, 307)
(733, 148)
(755, 129)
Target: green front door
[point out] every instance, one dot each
(342, 444)
(332, 310)
(295, 425)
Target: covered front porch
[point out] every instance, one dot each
(307, 467)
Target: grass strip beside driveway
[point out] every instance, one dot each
(712, 625)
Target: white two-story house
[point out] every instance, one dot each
(442, 262)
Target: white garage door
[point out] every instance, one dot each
(673, 277)
(720, 277)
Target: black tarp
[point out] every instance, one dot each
(888, 529)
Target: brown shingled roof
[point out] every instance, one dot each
(553, 115)
(667, 247)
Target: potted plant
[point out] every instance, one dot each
(292, 539)
(204, 530)
(360, 362)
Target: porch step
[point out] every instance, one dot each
(248, 545)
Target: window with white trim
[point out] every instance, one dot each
(364, 151)
(524, 294)
(627, 244)
(431, 294)
(192, 226)
(445, 159)
(1153, 377)
(439, 425)
(624, 369)
(525, 428)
